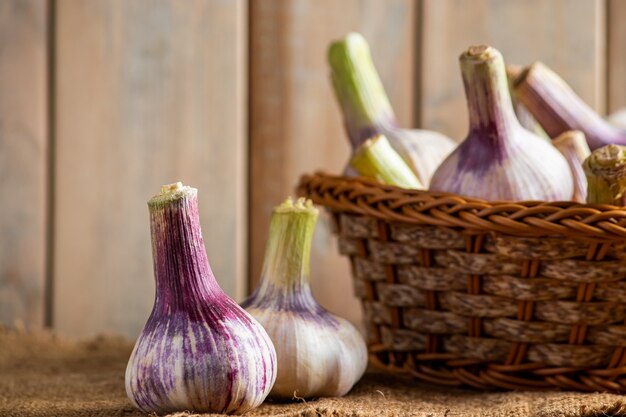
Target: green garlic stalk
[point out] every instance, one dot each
(606, 175)
(367, 111)
(378, 160)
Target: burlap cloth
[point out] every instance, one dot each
(42, 375)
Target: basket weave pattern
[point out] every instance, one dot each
(493, 295)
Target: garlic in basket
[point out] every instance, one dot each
(318, 353)
(199, 350)
(606, 175)
(367, 111)
(499, 159)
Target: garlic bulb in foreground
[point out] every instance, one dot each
(606, 175)
(573, 146)
(499, 160)
(199, 350)
(318, 353)
(376, 159)
(367, 111)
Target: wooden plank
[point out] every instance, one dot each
(567, 35)
(616, 55)
(296, 125)
(23, 160)
(149, 92)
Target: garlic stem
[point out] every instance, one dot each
(558, 109)
(360, 92)
(606, 175)
(287, 257)
(378, 160)
(181, 267)
(573, 146)
(491, 114)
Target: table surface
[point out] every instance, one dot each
(44, 375)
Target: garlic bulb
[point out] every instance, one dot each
(499, 160)
(367, 111)
(199, 350)
(318, 353)
(606, 175)
(558, 109)
(376, 159)
(573, 146)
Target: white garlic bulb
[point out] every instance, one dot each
(318, 354)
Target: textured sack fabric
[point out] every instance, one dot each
(43, 375)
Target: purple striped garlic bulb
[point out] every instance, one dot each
(199, 350)
(499, 160)
(319, 354)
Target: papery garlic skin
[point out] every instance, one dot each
(199, 351)
(319, 354)
(499, 160)
(367, 111)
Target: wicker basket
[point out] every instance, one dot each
(524, 295)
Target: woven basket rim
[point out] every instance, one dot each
(359, 195)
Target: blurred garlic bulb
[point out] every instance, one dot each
(558, 108)
(573, 146)
(618, 119)
(499, 159)
(367, 111)
(318, 353)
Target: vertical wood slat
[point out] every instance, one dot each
(616, 54)
(148, 93)
(296, 124)
(23, 160)
(567, 35)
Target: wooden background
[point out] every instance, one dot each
(101, 101)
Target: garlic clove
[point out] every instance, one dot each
(573, 146)
(378, 160)
(199, 350)
(318, 354)
(606, 175)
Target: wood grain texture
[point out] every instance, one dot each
(149, 92)
(23, 160)
(567, 35)
(296, 125)
(616, 55)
